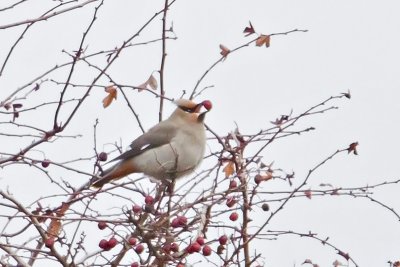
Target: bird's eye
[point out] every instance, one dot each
(186, 109)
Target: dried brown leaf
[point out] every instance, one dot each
(249, 30)
(308, 193)
(344, 255)
(353, 148)
(112, 94)
(229, 169)
(263, 40)
(142, 87)
(152, 82)
(54, 228)
(224, 50)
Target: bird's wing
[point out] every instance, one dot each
(159, 135)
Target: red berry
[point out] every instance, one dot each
(112, 242)
(49, 242)
(182, 220)
(232, 184)
(103, 244)
(167, 248)
(148, 200)
(258, 179)
(223, 239)
(135, 264)
(175, 223)
(179, 221)
(45, 163)
(180, 265)
(102, 156)
(136, 208)
(234, 216)
(230, 202)
(200, 240)
(132, 241)
(207, 250)
(174, 247)
(139, 248)
(207, 104)
(194, 247)
(102, 225)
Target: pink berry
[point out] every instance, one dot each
(207, 250)
(149, 200)
(182, 220)
(179, 221)
(175, 223)
(207, 104)
(232, 184)
(136, 208)
(234, 216)
(223, 239)
(139, 249)
(200, 240)
(102, 225)
(112, 242)
(132, 241)
(230, 202)
(135, 264)
(49, 242)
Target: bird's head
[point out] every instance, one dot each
(194, 109)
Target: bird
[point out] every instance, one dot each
(171, 149)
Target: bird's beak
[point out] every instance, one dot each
(206, 104)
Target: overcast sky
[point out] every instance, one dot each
(350, 45)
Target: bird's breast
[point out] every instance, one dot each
(175, 159)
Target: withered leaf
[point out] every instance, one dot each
(263, 40)
(17, 105)
(308, 193)
(353, 148)
(142, 87)
(54, 228)
(344, 255)
(249, 30)
(112, 94)
(224, 50)
(347, 94)
(152, 82)
(267, 176)
(229, 169)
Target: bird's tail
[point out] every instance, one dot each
(118, 171)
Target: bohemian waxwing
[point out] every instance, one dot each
(169, 150)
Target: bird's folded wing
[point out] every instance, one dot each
(159, 135)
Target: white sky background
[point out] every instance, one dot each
(350, 45)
